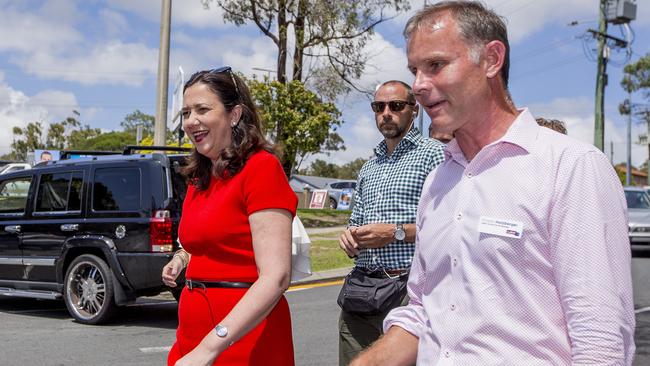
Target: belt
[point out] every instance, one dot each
(192, 284)
(385, 273)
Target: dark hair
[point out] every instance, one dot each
(477, 25)
(410, 97)
(553, 124)
(247, 136)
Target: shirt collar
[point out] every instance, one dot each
(522, 132)
(411, 139)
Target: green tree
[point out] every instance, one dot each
(26, 139)
(110, 141)
(134, 119)
(636, 78)
(308, 125)
(321, 168)
(58, 133)
(351, 169)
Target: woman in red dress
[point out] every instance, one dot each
(236, 227)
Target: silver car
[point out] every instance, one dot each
(638, 207)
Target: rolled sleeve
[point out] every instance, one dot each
(590, 253)
(411, 317)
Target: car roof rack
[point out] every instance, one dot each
(130, 149)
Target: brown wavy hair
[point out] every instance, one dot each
(247, 136)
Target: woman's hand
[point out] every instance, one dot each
(171, 271)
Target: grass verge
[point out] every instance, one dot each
(324, 217)
(326, 254)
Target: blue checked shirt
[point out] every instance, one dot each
(388, 190)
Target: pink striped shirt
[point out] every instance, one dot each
(559, 294)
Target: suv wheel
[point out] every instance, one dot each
(88, 290)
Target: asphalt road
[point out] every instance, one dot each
(35, 332)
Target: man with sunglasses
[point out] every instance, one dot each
(381, 231)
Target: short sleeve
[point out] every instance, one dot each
(265, 186)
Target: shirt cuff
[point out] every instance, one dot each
(409, 318)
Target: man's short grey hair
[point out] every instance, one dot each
(410, 97)
(477, 25)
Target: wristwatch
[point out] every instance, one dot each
(221, 331)
(399, 234)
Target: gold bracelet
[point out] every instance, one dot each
(183, 255)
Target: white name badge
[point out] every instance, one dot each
(501, 227)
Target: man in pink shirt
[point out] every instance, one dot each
(522, 255)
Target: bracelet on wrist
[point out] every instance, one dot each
(183, 256)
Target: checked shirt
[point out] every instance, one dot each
(388, 190)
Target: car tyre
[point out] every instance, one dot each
(88, 290)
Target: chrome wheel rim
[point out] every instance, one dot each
(86, 290)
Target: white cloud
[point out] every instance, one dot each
(113, 63)
(386, 62)
(19, 109)
(27, 32)
(578, 114)
(186, 12)
(114, 22)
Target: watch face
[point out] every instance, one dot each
(400, 234)
(221, 330)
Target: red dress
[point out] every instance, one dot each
(214, 229)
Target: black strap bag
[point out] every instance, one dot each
(366, 293)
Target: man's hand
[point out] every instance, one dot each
(355, 238)
(374, 235)
(348, 243)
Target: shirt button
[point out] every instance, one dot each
(459, 216)
(454, 262)
(447, 354)
(452, 307)
(469, 174)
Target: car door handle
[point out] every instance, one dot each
(69, 227)
(13, 229)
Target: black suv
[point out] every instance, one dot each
(95, 231)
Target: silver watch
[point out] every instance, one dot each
(221, 331)
(399, 234)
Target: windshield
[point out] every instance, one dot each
(637, 199)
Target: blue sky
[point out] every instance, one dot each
(100, 58)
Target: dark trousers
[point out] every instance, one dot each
(357, 332)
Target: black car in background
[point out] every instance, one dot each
(94, 231)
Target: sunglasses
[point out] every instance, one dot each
(228, 70)
(393, 105)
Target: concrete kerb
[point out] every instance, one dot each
(323, 276)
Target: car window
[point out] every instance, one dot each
(116, 189)
(637, 199)
(59, 192)
(13, 195)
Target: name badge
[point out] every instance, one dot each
(501, 227)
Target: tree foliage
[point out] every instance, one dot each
(308, 125)
(138, 118)
(71, 134)
(636, 78)
(26, 139)
(331, 33)
(321, 168)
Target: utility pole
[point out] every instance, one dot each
(160, 126)
(601, 79)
